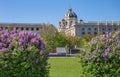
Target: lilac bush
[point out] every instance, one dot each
(22, 54)
(102, 58)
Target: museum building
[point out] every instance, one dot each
(70, 25)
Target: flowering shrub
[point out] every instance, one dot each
(103, 56)
(22, 55)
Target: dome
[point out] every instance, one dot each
(70, 14)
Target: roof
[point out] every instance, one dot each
(70, 14)
(20, 24)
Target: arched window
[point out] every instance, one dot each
(70, 23)
(66, 23)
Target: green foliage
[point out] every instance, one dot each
(86, 39)
(50, 46)
(54, 39)
(61, 40)
(102, 57)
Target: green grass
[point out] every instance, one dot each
(64, 67)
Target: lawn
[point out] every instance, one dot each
(64, 67)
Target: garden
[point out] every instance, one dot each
(26, 54)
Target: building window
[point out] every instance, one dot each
(95, 33)
(115, 29)
(37, 29)
(27, 28)
(89, 32)
(103, 29)
(83, 28)
(89, 28)
(83, 33)
(109, 29)
(70, 23)
(66, 23)
(32, 29)
(22, 28)
(95, 28)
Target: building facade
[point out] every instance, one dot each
(22, 27)
(70, 25)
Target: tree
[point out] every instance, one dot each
(48, 33)
(48, 29)
(54, 39)
(60, 40)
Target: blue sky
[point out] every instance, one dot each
(52, 11)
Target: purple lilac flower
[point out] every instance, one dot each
(103, 55)
(4, 49)
(37, 60)
(21, 48)
(31, 35)
(97, 48)
(25, 33)
(1, 44)
(42, 46)
(30, 48)
(34, 40)
(105, 58)
(110, 44)
(118, 33)
(41, 52)
(21, 41)
(10, 46)
(107, 49)
(118, 46)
